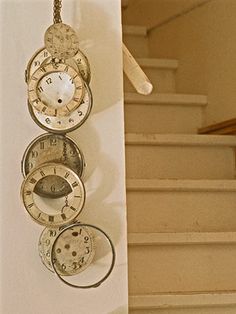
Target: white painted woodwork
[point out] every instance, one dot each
(186, 268)
(173, 156)
(163, 113)
(27, 287)
(207, 303)
(135, 38)
(161, 73)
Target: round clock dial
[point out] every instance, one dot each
(42, 57)
(61, 41)
(68, 123)
(45, 213)
(74, 250)
(53, 148)
(55, 89)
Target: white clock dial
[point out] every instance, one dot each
(66, 123)
(42, 56)
(56, 89)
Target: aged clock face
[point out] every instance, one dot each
(73, 251)
(53, 213)
(42, 57)
(61, 41)
(66, 123)
(53, 148)
(55, 89)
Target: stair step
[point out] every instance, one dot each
(161, 73)
(136, 40)
(183, 238)
(178, 156)
(134, 30)
(167, 99)
(184, 302)
(188, 263)
(181, 205)
(163, 113)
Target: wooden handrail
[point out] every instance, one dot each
(135, 74)
(225, 127)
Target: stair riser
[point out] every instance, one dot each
(137, 45)
(184, 310)
(179, 162)
(163, 80)
(173, 211)
(173, 268)
(145, 118)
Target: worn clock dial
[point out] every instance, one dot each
(42, 57)
(61, 41)
(55, 89)
(74, 249)
(53, 214)
(66, 123)
(53, 148)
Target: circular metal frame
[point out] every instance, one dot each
(76, 186)
(67, 118)
(81, 62)
(98, 283)
(55, 68)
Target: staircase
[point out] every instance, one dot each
(181, 197)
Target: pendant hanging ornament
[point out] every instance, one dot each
(53, 192)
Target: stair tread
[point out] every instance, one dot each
(169, 99)
(135, 30)
(181, 185)
(158, 63)
(182, 300)
(181, 238)
(180, 139)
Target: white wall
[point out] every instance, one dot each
(26, 285)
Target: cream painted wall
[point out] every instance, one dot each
(204, 43)
(153, 12)
(27, 287)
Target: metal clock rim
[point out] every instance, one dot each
(48, 134)
(30, 108)
(81, 205)
(98, 283)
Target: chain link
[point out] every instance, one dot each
(57, 11)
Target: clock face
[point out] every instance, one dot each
(66, 123)
(53, 148)
(42, 57)
(73, 251)
(61, 41)
(55, 89)
(51, 212)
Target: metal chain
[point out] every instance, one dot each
(57, 11)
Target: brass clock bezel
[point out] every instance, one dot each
(77, 186)
(47, 69)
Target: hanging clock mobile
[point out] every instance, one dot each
(53, 193)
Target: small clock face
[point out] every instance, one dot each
(42, 57)
(53, 213)
(61, 41)
(74, 250)
(55, 89)
(66, 123)
(53, 148)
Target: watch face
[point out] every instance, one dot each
(42, 57)
(53, 212)
(55, 89)
(68, 123)
(61, 41)
(53, 148)
(74, 249)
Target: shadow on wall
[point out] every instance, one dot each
(101, 56)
